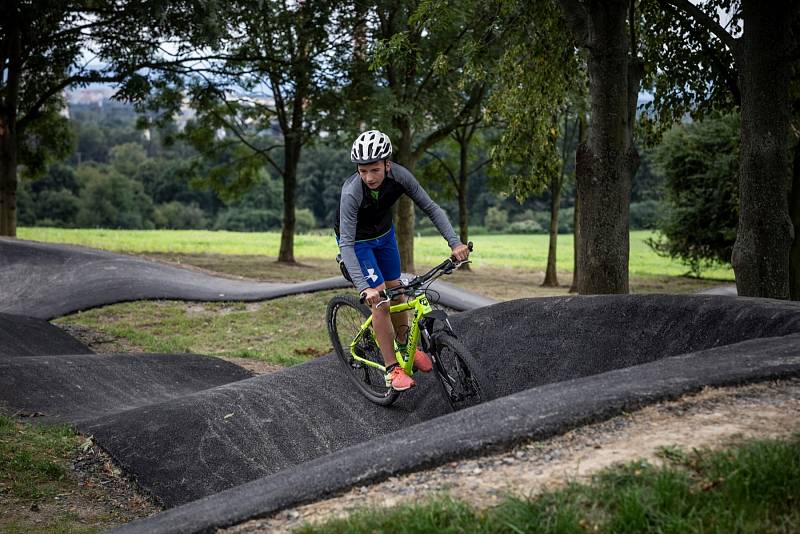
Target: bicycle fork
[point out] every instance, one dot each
(426, 328)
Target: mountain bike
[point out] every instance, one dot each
(350, 327)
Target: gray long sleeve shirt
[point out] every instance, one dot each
(362, 217)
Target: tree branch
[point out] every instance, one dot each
(700, 17)
(445, 165)
(35, 110)
(444, 131)
(731, 76)
(240, 136)
(480, 166)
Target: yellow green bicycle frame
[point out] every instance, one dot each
(421, 307)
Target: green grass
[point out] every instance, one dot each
(283, 331)
(41, 492)
(517, 251)
(753, 487)
(31, 458)
(34, 468)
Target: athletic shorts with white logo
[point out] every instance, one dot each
(379, 258)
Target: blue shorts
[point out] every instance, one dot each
(379, 258)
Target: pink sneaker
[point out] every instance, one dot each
(399, 380)
(422, 362)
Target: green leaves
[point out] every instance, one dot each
(689, 70)
(538, 75)
(700, 162)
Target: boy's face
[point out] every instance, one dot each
(374, 173)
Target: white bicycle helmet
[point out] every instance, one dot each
(370, 146)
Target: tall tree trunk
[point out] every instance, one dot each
(576, 219)
(763, 237)
(550, 275)
(8, 177)
(794, 211)
(576, 238)
(605, 166)
(463, 218)
(292, 155)
(9, 134)
(404, 216)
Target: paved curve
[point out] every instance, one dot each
(78, 387)
(27, 336)
(46, 281)
(265, 424)
(214, 439)
(537, 413)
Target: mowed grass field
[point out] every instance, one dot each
(500, 251)
(292, 329)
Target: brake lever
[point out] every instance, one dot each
(456, 265)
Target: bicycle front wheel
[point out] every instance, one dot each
(345, 317)
(461, 377)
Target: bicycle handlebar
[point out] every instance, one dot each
(446, 267)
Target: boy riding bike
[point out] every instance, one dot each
(368, 246)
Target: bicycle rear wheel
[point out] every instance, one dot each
(461, 377)
(345, 317)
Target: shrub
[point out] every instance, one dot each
(304, 221)
(178, 216)
(496, 219)
(248, 220)
(57, 208)
(110, 200)
(645, 215)
(525, 227)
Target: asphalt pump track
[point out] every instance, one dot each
(218, 446)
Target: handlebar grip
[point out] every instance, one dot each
(362, 299)
(469, 246)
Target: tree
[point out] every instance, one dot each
(257, 100)
(111, 200)
(566, 148)
(41, 46)
(576, 240)
(451, 160)
(605, 165)
(430, 58)
(535, 75)
(699, 161)
(794, 202)
(752, 71)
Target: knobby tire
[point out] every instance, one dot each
(454, 364)
(344, 316)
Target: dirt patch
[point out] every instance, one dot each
(99, 342)
(95, 494)
(712, 418)
(258, 367)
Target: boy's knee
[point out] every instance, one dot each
(380, 310)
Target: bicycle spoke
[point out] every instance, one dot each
(457, 372)
(346, 316)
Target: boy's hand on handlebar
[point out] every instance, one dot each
(460, 252)
(372, 296)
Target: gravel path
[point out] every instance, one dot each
(712, 418)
